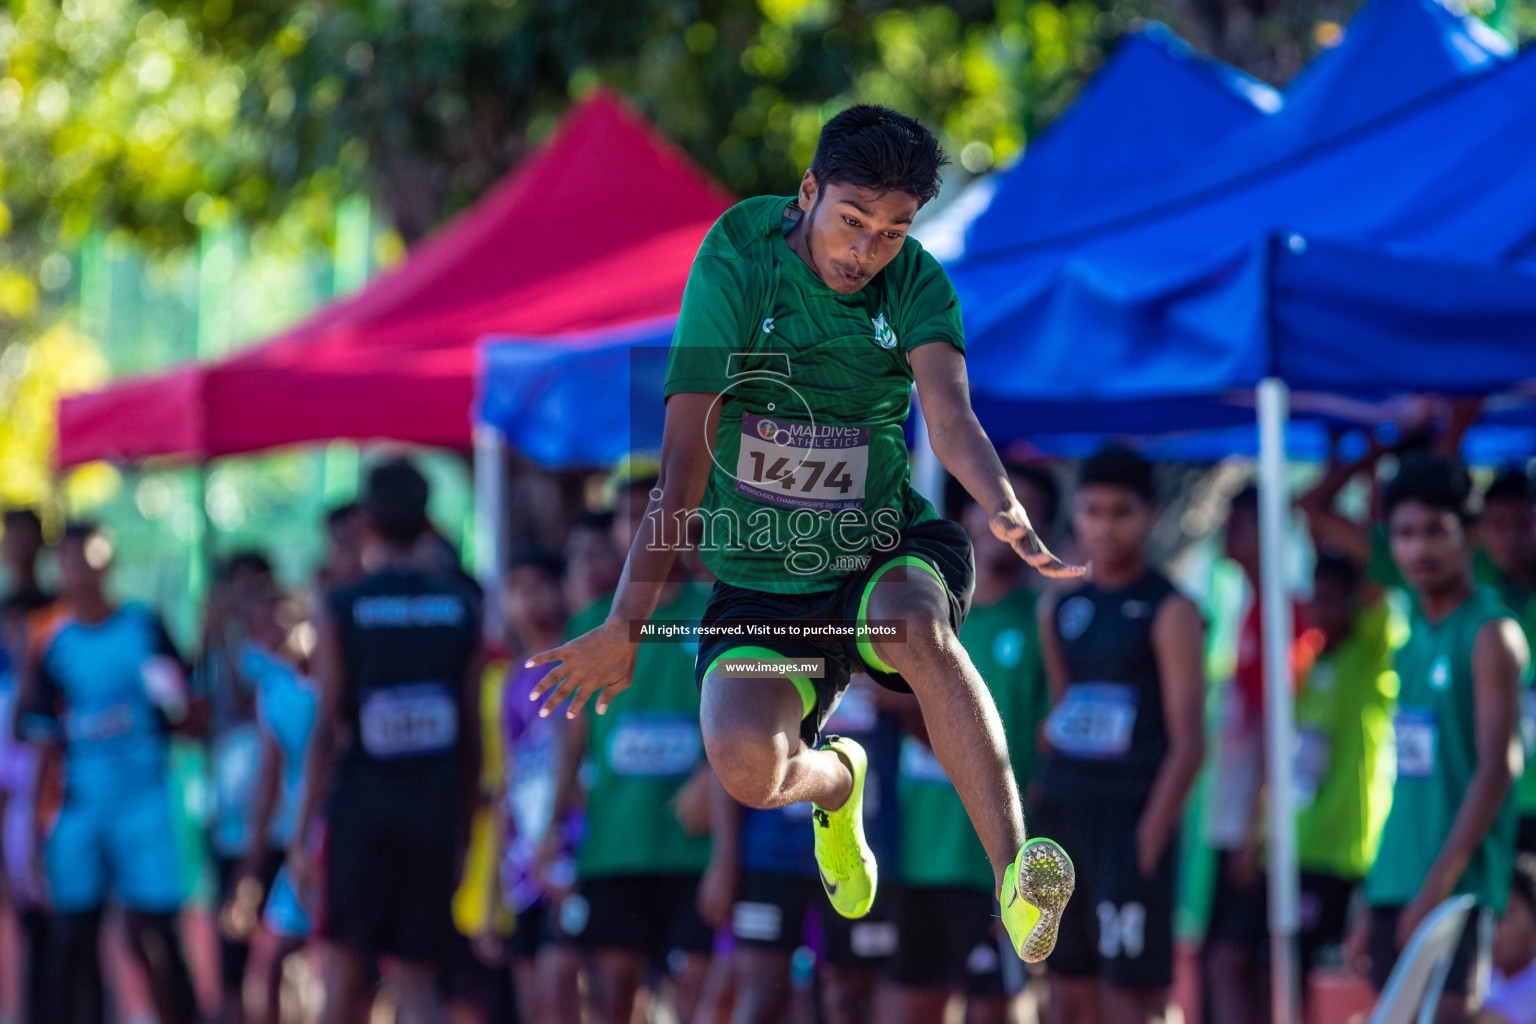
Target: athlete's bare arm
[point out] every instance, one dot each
(1178, 643)
(1050, 649)
(963, 449)
(1499, 657)
(324, 741)
(601, 663)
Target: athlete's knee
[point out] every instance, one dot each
(749, 764)
(918, 604)
(412, 979)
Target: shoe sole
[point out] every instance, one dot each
(1045, 878)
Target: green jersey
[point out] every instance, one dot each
(1522, 603)
(1344, 748)
(810, 470)
(642, 751)
(939, 846)
(1436, 735)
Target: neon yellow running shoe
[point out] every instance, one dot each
(1036, 888)
(845, 862)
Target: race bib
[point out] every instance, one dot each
(654, 746)
(919, 764)
(802, 465)
(1311, 764)
(1094, 720)
(98, 726)
(409, 721)
(1416, 737)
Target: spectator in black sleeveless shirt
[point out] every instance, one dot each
(1124, 655)
(395, 753)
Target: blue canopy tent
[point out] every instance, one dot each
(1175, 298)
(1155, 97)
(1394, 51)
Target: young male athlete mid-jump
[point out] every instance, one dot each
(805, 323)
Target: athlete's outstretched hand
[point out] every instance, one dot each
(1012, 526)
(599, 663)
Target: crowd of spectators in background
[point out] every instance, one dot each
(393, 821)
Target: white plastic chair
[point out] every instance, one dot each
(1412, 993)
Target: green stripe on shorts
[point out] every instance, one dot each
(867, 649)
(803, 684)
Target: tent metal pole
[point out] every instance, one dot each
(1279, 713)
(490, 518)
(927, 473)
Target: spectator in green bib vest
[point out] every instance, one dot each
(1507, 562)
(642, 852)
(1124, 653)
(946, 912)
(1451, 828)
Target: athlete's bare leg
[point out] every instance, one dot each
(1134, 1005)
(920, 1005)
(615, 982)
(343, 975)
(762, 986)
(718, 1000)
(1074, 1000)
(558, 973)
(848, 994)
(963, 725)
(419, 1001)
(752, 734)
(688, 985)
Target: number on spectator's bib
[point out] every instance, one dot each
(1416, 736)
(409, 721)
(657, 746)
(1094, 720)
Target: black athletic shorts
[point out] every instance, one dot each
(1384, 951)
(1323, 913)
(771, 911)
(1118, 924)
(650, 914)
(1239, 913)
(234, 954)
(389, 884)
(949, 939)
(941, 544)
(536, 927)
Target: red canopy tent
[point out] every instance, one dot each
(598, 228)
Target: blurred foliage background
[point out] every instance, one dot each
(180, 177)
